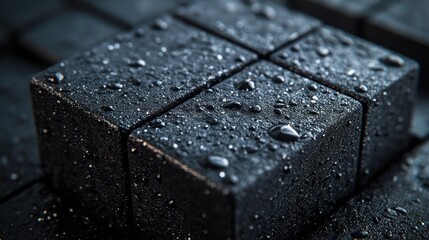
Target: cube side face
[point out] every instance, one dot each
(233, 140)
(272, 25)
(310, 186)
(171, 200)
(81, 154)
(381, 80)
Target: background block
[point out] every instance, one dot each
(383, 81)
(85, 106)
(65, 34)
(231, 171)
(260, 26)
(19, 161)
(394, 207)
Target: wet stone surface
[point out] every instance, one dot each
(19, 161)
(347, 15)
(84, 106)
(64, 35)
(383, 81)
(36, 213)
(393, 207)
(263, 168)
(403, 27)
(260, 26)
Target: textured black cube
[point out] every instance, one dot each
(85, 107)
(404, 27)
(260, 26)
(394, 207)
(381, 80)
(251, 157)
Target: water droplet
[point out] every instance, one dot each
(138, 63)
(56, 78)
(160, 24)
(255, 108)
(217, 162)
(312, 87)
(360, 234)
(278, 79)
(284, 133)
(241, 59)
(265, 11)
(362, 89)
(107, 108)
(13, 176)
(232, 105)
(392, 60)
(401, 210)
(323, 51)
(245, 85)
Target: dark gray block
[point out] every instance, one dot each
(383, 81)
(85, 106)
(19, 162)
(404, 27)
(18, 13)
(420, 124)
(65, 34)
(132, 12)
(394, 207)
(3, 36)
(344, 14)
(215, 168)
(260, 26)
(36, 213)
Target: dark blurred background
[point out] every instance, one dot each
(36, 34)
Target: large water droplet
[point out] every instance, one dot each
(284, 133)
(217, 162)
(245, 85)
(232, 105)
(392, 60)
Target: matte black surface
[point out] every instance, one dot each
(404, 27)
(260, 26)
(36, 213)
(420, 124)
(383, 81)
(345, 14)
(19, 161)
(132, 12)
(85, 106)
(394, 207)
(3, 37)
(210, 168)
(65, 34)
(17, 13)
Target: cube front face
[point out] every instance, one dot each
(384, 82)
(85, 107)
(229, 146)
(271, 26)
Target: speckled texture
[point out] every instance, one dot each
(359, 69)
(394, 207)
(260, 26)
(345, 14)
(101, 94)
(266, 187)
(36, 213)
(19, 161)
(69, 32)
(404, 27)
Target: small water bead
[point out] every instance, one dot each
(284, 133)
(392, 60)
(312, 87)
(217, 162)
(278, 79)
(232, 105)
(362, 89)
(245, 85)
(160, 24)
(255, 108)
(107, 108)
(56, 78)
(323, 51)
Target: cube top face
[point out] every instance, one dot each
(248, 125)
(351, 65)
(135, 75)
(398, 18)
(262, 27)
(357, 8)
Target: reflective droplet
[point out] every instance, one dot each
(56, 78)
(232, 105)
(138, 63)
(255, 108)
(246, 85)
(360, 234)
(160, 24)
(392, 60)
(278, 79)
(323, 51)
(284, 133)
(362, 89)
(312, 87)
(217, 162)
(107, 108)
(265, 11)
(401, 210)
